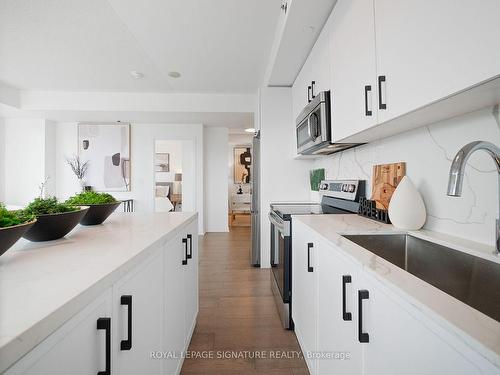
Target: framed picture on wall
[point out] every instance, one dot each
(162, 162)
(242, 164)
(107, 148)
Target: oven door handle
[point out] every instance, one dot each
(278, 222)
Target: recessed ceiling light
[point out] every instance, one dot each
(174, 74)
(250, 130)
(136, 74)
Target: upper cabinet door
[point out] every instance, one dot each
(320, 61)
(428, 50)
(300, 93)
(353, 67)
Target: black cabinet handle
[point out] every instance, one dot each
(309, 89)
(362, 336)
(127, 301)
(381, 105)
(312, 89)
(185, 244)
(368, 112)
(345, 280)
(309, 247)
(190, 254)
(105, 324)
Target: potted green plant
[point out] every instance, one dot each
(54, 219)
(13, 224)
(101, 205)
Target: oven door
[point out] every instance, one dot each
(280, 254)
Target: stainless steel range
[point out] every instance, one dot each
(338, 197)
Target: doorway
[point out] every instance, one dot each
(174, 176)
(240, 179)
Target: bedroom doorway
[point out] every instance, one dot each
(174, 175)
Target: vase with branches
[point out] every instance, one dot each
(79, 168)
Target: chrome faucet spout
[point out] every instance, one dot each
(456, 178)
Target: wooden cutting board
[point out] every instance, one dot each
(385, 179)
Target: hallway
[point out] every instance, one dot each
(238, 316)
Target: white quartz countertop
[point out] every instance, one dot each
(470, 326)
(44, 284)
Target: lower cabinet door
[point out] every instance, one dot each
(175, 304)
(191, 281)
(138, 312)
(304, 291)
(78, 347)
(399, 343)
(339, 351)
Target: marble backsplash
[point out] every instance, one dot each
(428, 152)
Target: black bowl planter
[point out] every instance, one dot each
(54, 226)
(10, 235)
(97, 213)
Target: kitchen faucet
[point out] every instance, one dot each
(456, 178)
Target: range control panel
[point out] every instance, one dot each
(343, 189)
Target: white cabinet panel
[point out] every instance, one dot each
(300, 89)
(76, 348)
(399, 343)
(191, 282)
(175, 303)
(431, 49)
(304, 291)
(143, 287)
(320, 60)
(337, 322)
(353, 68)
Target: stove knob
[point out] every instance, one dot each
(352, 188)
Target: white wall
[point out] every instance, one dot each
(236, 140)
(428, 153)
(143, 138)
(216, 194)
(282, 177)
(26, 158)
(2, 160)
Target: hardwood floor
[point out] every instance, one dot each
(238, 316)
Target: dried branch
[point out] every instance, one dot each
(78, 167)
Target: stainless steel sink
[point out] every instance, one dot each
(472, 280)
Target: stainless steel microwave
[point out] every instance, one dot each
(314, 130)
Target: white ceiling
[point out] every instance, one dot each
(92, 45)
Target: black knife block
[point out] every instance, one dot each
(368, 208)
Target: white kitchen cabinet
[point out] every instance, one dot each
(300, 91)
(338, 282)
(320, 61)
(399, 343)
(150, 307)
(428, 50)
(139, 296)
(353, 68)
(76, 348)
(305, 291)
(175, 304)
(396, 337)
(191, 282)
(181, 295)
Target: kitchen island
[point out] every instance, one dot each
(348, 299)
(102, 298)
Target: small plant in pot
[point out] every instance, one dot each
(54, 219)
(101, 205)
(13, 224)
